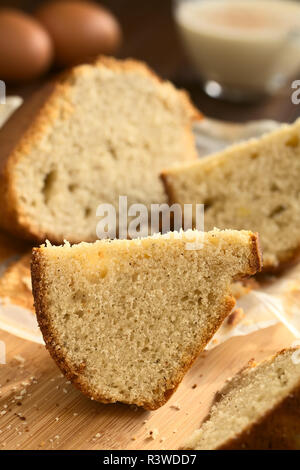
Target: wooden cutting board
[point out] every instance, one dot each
(40, 410)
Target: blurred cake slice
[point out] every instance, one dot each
(250, 186)
(259, 409)
(100, 131)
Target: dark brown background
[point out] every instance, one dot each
(150, 35)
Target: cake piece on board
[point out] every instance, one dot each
(125, 319)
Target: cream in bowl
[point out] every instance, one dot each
(241, 48)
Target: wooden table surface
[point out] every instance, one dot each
(150, 35)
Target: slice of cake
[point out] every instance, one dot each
(252, 186)
(124, 320)
(101, 131)
(258, 409)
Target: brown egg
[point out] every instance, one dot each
(26, 48)
(79, 30)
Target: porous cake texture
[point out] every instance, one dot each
(125, 319)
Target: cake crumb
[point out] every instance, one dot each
(27, 282)
(296, 357)
(153, 433)
(235, 317)
(175, 406)
(134, 407)
(19, 359)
